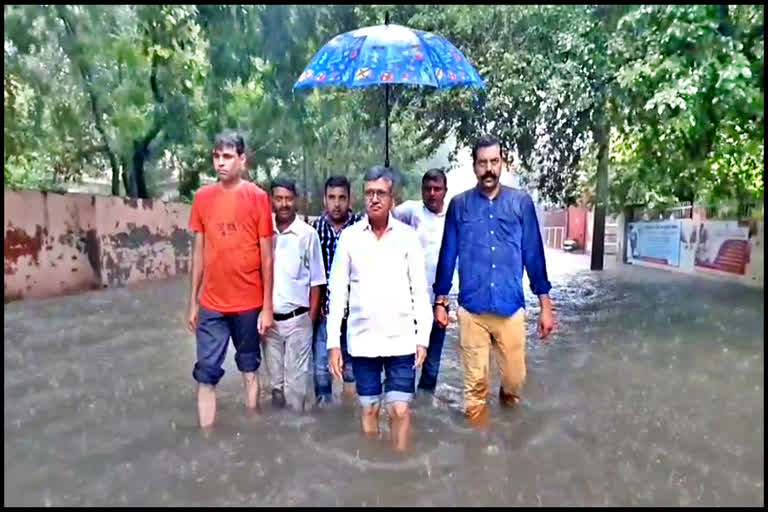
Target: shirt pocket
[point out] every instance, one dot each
(292, 256)
(473, 230)
(510, 228)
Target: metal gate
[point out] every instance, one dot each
(554, 236)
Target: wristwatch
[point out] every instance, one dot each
(443, 301)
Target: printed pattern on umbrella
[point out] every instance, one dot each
(388, 54)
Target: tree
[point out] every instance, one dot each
(45, 140)
(691, 90)
(670, 96)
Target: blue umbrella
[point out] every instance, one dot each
(388, 54)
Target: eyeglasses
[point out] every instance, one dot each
(370, 194)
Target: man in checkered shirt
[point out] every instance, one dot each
(337, 217)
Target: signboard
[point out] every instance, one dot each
(722, 245)
(655, 242)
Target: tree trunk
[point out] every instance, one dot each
(82, 67)
(141, 147)
(140, 154)
(724, 27)
(602, 138)
(137, 170)
(126, 176)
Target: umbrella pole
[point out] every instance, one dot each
(386, 127)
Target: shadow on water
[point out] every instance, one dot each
(651, 393)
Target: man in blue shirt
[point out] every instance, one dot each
(494, 231)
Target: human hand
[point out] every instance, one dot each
(421, 354)
(266, 320)
(546, 324)
(335, 363)
(192, 317)
(441, 316)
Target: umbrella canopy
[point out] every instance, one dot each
(389, 54)
(386, 55)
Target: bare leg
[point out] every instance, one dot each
(206, 405)
(251, 385)
(370, 419)
(400, 424)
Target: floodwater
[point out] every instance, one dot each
(651, 393)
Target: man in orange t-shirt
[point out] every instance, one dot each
(232, 261)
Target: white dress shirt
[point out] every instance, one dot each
(298, 266)
(384, 282)
(429, 226)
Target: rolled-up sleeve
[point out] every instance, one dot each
(449, 250)
(533, 249)
(421, 305)
(338, 287)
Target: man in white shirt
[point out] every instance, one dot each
(427, 217)
(299, 274)
(378, 270)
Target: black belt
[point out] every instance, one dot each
(279, 317)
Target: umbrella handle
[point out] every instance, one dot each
(386, 106)
(386, 126)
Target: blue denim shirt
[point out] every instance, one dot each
(493, 239)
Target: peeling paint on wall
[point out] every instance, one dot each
(65, 243)
(18, 243)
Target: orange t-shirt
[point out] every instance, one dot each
(233, 221)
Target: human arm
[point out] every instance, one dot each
(536, 266)
(195, 280)
(446, 263)
(422, 308)
(338, 286)
(316, 277)
(196, 274)
(266, 233)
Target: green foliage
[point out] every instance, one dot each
(690, 97)
(137, 92)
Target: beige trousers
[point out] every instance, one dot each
(478, 333)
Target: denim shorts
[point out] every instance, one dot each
(399, 382)
(213, 332)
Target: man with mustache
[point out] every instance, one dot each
(329, 226)
(379, 271)
(299, 274)
(232, 263)
(494, 231)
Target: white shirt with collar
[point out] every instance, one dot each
(298, 266)
(429, 226)
(384, 282)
